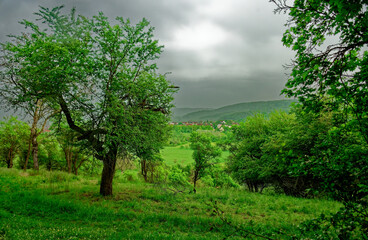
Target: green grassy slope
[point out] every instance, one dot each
(182, 155)
(236, 111)
(56, 205)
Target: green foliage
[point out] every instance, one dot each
(236, 112)
(101, 77)
(330, 71)
(300, 154)
(249, 163)
(75, 153)
(349, 222)
(178, 177)
(14, 136)
(307, 154)
(329, 38)
(204, 154)
(220, 178)
(180, 133)
(127, 176)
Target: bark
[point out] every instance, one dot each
(10, 163)
(38, 113)
(77, 165)
(10, 158)
(144, 169)
(195, 179)
(35, 153)
(33, 137)
(108, 171)
(68, 157)
(28, 152)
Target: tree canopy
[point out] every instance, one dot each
(330, 66)
(329, 76)
(204, 153)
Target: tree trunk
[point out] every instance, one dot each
(28, 152)
(68, 157)
(76, 171)
(10, 163)
(195, 179)
(74, 162)
(39, 111)
(33, 137)
(108, 171)
(10, 158)
(144, 169)
(35, 153)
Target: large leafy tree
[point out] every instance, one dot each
(331, 63)
(75, 154)
(245, 163)
(102, 77)
(330, 69)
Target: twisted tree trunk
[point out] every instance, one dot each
(108, 171)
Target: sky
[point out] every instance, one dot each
(218, 52)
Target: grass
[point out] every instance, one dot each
(183, 155)
(57, 205)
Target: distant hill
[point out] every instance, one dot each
(234, 112)
(177, 112)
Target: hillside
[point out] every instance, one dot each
(234, 112)
(177, 112)
(57, 205)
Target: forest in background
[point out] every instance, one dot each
(235, 112)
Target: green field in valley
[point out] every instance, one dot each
(183, 155)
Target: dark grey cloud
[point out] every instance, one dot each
(218, 52)
(217, 92)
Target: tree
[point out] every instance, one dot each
(14, 96)
(101, 77)
(75, 154)
(246, 162)
(13, 135)
(330, 67)
(152, 141)
(203, 154)
(39, 111)
(50, 152)
(251, 161)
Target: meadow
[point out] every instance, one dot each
(182, 155)
(58, 205)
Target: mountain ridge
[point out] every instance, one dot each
(236, 112)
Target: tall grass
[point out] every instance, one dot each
(56, 205)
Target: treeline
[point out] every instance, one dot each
(217, 131)
(234, 112)
(56, 149)
(304, 153)
(301, 154)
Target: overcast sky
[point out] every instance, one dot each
(218, 52)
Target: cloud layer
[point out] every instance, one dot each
(218, 52)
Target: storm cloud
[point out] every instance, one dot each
(218, 52)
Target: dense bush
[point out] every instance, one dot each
(301, 154)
